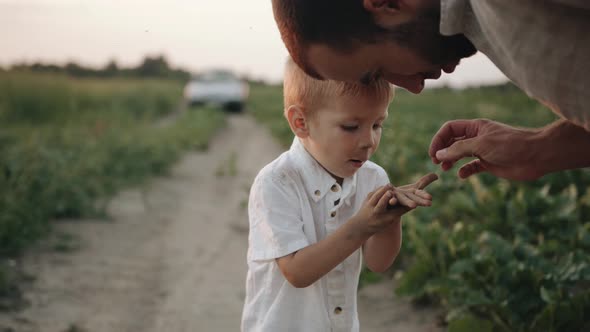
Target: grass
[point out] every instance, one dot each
(68, 145)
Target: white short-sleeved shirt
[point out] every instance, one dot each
(293, 203)
(542, 46)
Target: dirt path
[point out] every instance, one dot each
(173, 256)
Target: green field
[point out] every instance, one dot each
(67, 145)
(498, 255)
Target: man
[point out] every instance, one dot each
(542, 46)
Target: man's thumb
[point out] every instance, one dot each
(460, 149)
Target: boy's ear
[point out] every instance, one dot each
(297, 121)
(388, 13)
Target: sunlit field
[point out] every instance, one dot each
(68, 144)
(498, 255)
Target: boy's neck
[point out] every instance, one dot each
(338, 179)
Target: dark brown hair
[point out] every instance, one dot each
(345, 24)
(337, 23)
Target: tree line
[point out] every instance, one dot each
(151, 67)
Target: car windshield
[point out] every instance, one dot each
(216, 76)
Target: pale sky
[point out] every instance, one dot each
(193, 34)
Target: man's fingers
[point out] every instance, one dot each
(426, 180)
(447, 165)
(449, 133)
(458, 150)
(473, 167)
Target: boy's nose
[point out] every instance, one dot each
(368, 140)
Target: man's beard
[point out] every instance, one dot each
(423, 36)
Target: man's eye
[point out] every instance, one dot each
(377, 126)
(370, 77)
(349, 128)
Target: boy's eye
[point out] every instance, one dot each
(349, 127)
(377, 126)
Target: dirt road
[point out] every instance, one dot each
(173, 256)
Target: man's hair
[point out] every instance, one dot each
(345, 24)
(337, 23)
(310, 94)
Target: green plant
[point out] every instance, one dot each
(498, 255)
(67, 145)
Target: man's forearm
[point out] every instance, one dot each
(562, 146)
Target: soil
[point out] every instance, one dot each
(172, 255)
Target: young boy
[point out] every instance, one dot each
(321, 205)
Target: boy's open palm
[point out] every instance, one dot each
(387, 204)
(412, 195)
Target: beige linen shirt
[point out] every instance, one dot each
(294, 203)
(543, 46)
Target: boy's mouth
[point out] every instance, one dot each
(357, 162)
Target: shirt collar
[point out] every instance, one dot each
(317, 181)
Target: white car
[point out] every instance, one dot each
(218, 87)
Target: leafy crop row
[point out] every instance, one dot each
(67, 145)
(498, 255)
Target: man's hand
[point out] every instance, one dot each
(507, 152)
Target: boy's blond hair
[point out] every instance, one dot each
(310, 94)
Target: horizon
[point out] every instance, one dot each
(194, 37)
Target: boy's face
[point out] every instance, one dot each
(345, 133)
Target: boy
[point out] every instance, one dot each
(316, 205)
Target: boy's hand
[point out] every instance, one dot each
(413, 195)
(374, 212)
(387, 204)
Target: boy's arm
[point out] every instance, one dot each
(381, 249)
(304, 267)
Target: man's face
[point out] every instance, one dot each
(409, 54)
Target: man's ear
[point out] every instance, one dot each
(297, 121)
(388, 13)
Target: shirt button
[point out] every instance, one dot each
(333, 214)
(317, 192)
(337, 310)
(334, 188)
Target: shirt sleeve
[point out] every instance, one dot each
(276, 225)
(382, 178)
